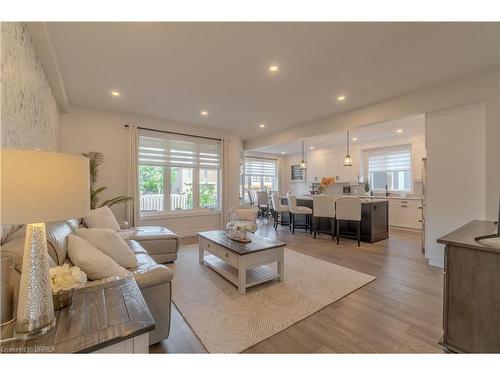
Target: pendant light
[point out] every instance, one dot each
(347, 159)
(303, 163)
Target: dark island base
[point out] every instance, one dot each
(374, 221)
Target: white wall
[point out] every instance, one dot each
(29, 113)
(456, 173)
(84, 130)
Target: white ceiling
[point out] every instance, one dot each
(175, 70)
(413, 126)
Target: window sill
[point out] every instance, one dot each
(169, 215)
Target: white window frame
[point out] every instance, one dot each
(196, 210)
(368, 152)
(246, 180)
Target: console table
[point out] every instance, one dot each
(471, 306)
(109, 317)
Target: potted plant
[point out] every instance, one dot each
(325, 183)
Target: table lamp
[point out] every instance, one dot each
(38, 187)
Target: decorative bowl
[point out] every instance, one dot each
(62, 298)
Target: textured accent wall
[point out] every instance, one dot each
(29, 113)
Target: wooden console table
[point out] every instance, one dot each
(110, 317)
(471, 306)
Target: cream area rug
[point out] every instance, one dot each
(226, 321)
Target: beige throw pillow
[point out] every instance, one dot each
(92, 261)
(102, 218)
(111, 244)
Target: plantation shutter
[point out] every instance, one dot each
(172, 150)
(390, 160)
(260, 167)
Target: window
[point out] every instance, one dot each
(390, 167)
(178, 173)
(259, 174)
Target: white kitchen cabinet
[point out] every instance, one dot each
(405, 213)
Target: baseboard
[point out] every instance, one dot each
(191, 232)
(436, 263)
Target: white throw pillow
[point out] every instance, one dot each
(102, 218)
(111, 244)
(92, 261)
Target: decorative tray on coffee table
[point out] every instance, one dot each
(247, 240)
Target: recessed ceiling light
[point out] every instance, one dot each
(341, 98)
(204, 113)
(311, 147)
(399, 130)
(354, 139)
(274, 68)
(262, 125)
(115, 93)
(282, 152)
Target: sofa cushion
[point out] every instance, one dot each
(152, 233)
(92, 261)
(102, 217)
(148, 273)
(57, 238)
(110, 243)
(15, 248)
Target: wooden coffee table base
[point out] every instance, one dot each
(246, 270)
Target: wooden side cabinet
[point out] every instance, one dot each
(471, 306)
(105, 317)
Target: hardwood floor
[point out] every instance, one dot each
(399, 312)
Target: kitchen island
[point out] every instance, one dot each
(374, 219)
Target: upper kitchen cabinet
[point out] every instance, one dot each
(317, 162)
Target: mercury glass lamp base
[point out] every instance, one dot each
(35, 310)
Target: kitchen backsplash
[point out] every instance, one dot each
(299, 188)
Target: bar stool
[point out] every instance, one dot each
(348, 209)
(324, 206)
(278, 210)
(299, 210)
(250, 197)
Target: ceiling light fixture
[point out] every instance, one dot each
(311, 147)
(282, 152)
(274, 68)
(262, 126)
(354, 139)
(347, 159)
(340, 98)
(303, 163)
(115, 93)
(399, 130)
(204, 113)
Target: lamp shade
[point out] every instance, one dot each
(39, 186)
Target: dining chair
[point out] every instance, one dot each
(250, 197)
(263, 203)
(278, 210)
(324, 207)
(299, 210)
(348, 209)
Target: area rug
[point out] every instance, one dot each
(226, 321)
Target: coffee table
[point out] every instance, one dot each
(242, 264)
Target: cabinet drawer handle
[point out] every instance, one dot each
(420, 221)
(404, 201)
(226, 255)
(208, 245)
(404, 205)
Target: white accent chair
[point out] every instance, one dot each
(278, 210)
(250, 197)
(324, 207)
(299, 210)
(243, 214)
(348, 209)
